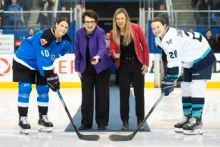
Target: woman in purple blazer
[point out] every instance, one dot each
(92, 64)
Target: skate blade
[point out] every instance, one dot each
(45, 129)
(178, 130)
(193, 132)
(24, 131)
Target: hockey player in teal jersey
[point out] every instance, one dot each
(33, 64)
(191, 51)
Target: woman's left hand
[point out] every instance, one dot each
(144, 69)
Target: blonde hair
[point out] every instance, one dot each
(116, 29)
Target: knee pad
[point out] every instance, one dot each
(185, 87)
(198, 88)
(24, 90)
(42, 89)
(43, 97)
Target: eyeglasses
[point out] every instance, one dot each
(89, 22)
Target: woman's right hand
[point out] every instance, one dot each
(117, 54)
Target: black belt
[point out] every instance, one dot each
(130, 60)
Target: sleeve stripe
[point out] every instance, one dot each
(48, 68)
(172, 76)
(173, 72)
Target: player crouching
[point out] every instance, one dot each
(192, 52)
(33, 64)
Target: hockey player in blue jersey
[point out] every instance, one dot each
(191, 51)
(33, 64)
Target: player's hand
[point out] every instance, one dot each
(167, 86)
(53, 82)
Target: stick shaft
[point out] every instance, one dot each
(129, 137)
(79, 135)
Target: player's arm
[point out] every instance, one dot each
(173, 62)
(172, 73)
(45, 60)
(47, 68)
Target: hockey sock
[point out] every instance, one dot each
(22, 111)
(197, 107)
(187, 105)
(42, 110)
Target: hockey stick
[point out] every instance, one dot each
(80, 136)
(115, 137)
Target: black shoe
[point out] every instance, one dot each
(125, 126)
(101, 127)
(84, 127)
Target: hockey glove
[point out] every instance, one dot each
(167, 86)
(53, 82)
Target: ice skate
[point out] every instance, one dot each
(45, 124)
(194, 127)
(179, 126)
(25, 126)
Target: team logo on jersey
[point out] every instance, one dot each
(43, 42)
(169, 41)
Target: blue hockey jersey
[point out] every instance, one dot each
(39, 51)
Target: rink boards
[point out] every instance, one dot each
(64, 66)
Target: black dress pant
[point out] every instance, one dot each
(90, 80)
(128, 73)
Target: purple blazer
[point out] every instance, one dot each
(96, 47)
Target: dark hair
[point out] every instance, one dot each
(58, 20)
(160, 19)
(30, 29)
(90, 13)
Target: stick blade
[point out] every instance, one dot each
(89, 137)
(115, 137)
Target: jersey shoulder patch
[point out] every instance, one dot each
(43, 41)
(47, 37)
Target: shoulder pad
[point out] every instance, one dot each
(47, 37)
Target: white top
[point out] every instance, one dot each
(183, 47)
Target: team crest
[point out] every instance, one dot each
(43, 42)
(169, 41)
